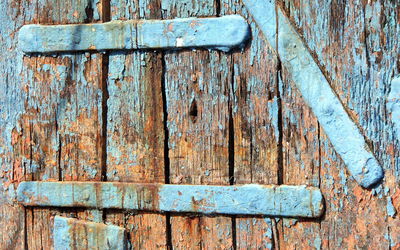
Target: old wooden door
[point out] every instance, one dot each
(206, 117)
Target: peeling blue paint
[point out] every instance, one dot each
(77, 37)
(343, 133)
(317, 242)
(393, 104)
(289, 222)
(289, 201)
(221, 33)
(246, 199)
(391, 211)
(273, 113)
(79, 234)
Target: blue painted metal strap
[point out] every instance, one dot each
(343, 133)
(222, 33)
(71, 233)
(291, 201)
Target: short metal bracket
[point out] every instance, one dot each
(69, 233)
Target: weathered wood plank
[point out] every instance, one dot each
(135, 139)
(357, 45)
(198, 116)
(135, 125)
(13, 14)
(301, 160)
(58, 135)
(197, 87)
(255, 107)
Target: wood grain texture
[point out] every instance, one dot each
(135, 125)
(255, 107)
(198, 120)
(357, 46)
(145, 230)
(51, 118)
(197, 87)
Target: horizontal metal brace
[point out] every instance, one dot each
(343, 133)
(223, 33)
(288, 201)
(69, 233)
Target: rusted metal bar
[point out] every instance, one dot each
(290, 201)
(221, 33)
(343, 133)
(71, 233)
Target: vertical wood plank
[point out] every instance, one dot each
(59, 136)
(255, 107)
(354, 44)
(135, 125)
(198, 119)
(301, 161)
(13, 14)
(197, 94)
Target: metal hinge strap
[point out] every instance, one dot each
(223, 33)
(271, 200)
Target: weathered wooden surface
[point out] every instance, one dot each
(43, 106)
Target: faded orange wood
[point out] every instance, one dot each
(197, 87)
(198, 119)
(255, 135)
(135, 125)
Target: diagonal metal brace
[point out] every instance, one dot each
(343, 133)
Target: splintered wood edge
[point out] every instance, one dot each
(252, 199)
